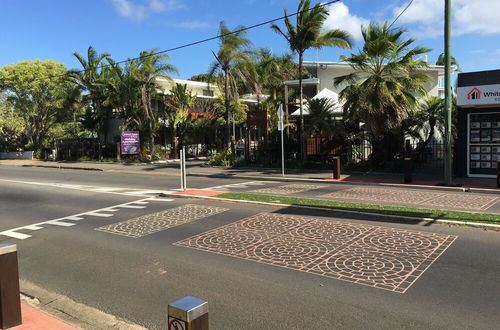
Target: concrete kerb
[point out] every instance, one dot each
(375, 216)
(70, 311)
(66, 167)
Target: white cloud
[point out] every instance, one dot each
(137, 11)
(191, 25)
(468, 16)
(340, 18)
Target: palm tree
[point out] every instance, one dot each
(89, 79)
(454, 62)
(321, 119)
(386, 83)
(177, 107)
(233, 52)
(151, 65)
(423, 123)
(305, 34)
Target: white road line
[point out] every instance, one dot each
(242, 185)
(60, 223)
(97, 214)
(13, 233)
(103, 190)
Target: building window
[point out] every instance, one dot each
(207, 92)
(441, 83)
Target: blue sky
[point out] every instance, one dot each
(54, 29)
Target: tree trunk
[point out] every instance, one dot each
(228, 106)
(302, 142)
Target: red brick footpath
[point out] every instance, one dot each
(33, 319)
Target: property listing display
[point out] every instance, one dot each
(484, 143)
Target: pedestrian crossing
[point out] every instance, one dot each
(24, 232)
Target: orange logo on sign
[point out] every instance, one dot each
(474, 94)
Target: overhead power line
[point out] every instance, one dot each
(211, 38)
(401, 13)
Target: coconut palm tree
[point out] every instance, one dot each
(386, 83)
(305, 34)
(90, 80)
(177, 107)
(233, 52)
(151, 65)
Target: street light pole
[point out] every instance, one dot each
(448, 160)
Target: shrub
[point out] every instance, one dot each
(223, 158)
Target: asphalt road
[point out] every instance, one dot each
(135, 276)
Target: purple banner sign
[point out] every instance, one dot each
(130, 143)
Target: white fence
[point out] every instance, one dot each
(17, 155)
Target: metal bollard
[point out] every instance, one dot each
(498, 174)
(10, 300)
(336, 167)
(408, 170)
(188, 313)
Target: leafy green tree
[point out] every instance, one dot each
(386, 83)
(305, 34)
(11, 127)
(151, 65)
(177, 109)
(38, 92)
(232, 54)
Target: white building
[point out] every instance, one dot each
(324, 73)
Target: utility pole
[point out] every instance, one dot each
(448, 160)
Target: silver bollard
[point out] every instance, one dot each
(188, 313)
(10, 300)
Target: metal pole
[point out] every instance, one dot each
(184, 167)
(183, 188)
(447, 54)
(282, 152)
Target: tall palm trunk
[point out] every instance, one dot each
(227, 105)
(302, 142)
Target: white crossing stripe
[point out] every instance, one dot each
(75, 218)
(133, 206)
(34, 227)
(60, 223)
(13, 234)
(97, 214)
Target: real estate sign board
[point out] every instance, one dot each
(478, 95)
(130, 143)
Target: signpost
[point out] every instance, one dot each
(280, 128)
(130, 143)
(183, 169)
(188, 313)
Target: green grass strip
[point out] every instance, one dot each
(372, 208)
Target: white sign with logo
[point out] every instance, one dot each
(478, 95)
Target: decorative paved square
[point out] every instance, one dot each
(384, 195)
(465, 201)
(155, 222)
(288, 189)
(381, 257)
